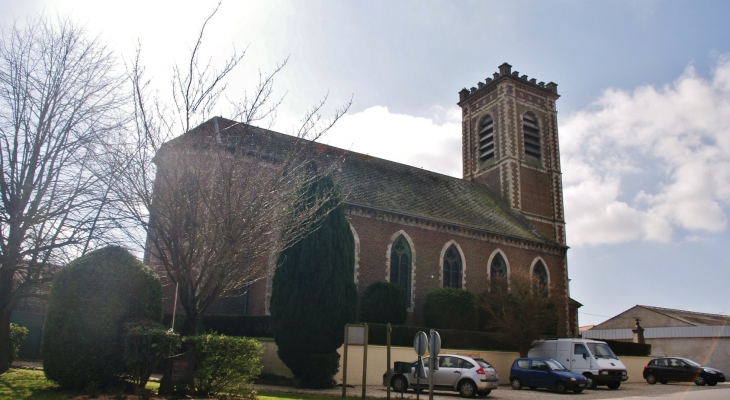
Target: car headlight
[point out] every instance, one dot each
(709, 371)
(623, 372)
(603, 372)
(572, 379)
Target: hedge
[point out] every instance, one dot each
(229, 325)
(402, 336)
(628, 348)
(450, 308)
(382, 303)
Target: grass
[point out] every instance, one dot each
(32, 385)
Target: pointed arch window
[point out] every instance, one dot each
(540, 275)
(452, 268)
(498, 267)
(400, 265)
(486, 139)
(532, 136)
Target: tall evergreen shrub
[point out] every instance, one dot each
(384, 303)
(90, 299)
(450, 308)
(314, 293)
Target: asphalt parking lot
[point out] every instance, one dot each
(626, 391)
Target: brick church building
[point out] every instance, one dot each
(422, 230)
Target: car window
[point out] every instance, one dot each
(450, 362)
(482, 363)
(692, 363)
(523, 364)
(466, 364)
(425, 363)
(660, 363)
(580, 350)
(673, 362)
(539, 365)
(555, 366)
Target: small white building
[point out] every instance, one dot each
(704, 338)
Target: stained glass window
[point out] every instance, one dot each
(540, 273)
(400, 265)
(452, 268)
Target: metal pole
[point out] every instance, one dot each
(344, 364)
(432, 368)
(365, 362)
(174, 307)
(387, 368)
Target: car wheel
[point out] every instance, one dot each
(713, 383)
(651, 379)
(484, 393)
(614, 385)
(467, 388)
(578, 391)
(700, 380)
(561, 387)
(591, 383)
(399, 384)
(516, 384)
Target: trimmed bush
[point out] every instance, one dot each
(314, 293)
(384, 303)
(628, 348)
(450, 338)
(90, 299)
(18, 334)
(450, 308)
(145, 344)
(225, 364)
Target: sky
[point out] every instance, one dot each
(644, 113)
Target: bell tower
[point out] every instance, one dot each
(510, 144)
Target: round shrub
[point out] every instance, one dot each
(384, 303)
(449, 308)
(90, 299)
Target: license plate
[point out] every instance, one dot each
(581, 384)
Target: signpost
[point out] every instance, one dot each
(356, 334)
(420, 345)
(434, 346)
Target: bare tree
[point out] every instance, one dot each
(214, 203)
(519, 309)
(58, 97)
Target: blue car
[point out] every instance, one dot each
(545, 373)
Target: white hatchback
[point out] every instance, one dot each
(466, 375)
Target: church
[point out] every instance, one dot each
(422, 230)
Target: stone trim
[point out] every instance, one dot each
(356, 237)
(453, 229)
(413, 264)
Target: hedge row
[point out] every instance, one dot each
(260, 326)
(229, 325)
(628, 348)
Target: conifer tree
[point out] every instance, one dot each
(314, 293)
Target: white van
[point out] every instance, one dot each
(590, 358)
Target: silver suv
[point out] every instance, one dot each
(463, 374)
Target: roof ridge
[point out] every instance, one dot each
(660, 309)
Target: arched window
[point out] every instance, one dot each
(400, 265)
(540, 274)
(452, 268)
(532, 136)
(498, 267)
(486, 139)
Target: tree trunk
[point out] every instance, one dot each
(190, 326)
(523, 350)
(4, 341)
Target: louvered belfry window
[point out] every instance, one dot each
(532, 136)
(400, 266)
(486, 139)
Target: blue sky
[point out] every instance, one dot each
(644, 117)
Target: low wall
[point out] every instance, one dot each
(377, 361)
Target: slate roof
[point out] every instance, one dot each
(389, 186)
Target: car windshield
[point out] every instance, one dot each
(482, 363)
(690, 362)
(555, 366)
(601, 350)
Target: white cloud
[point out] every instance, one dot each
(416, 141)
(617, 144)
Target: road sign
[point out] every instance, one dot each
(434, 344)
(420, 343)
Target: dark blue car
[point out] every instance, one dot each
(545, 373)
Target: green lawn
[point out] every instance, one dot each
(28, 384)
